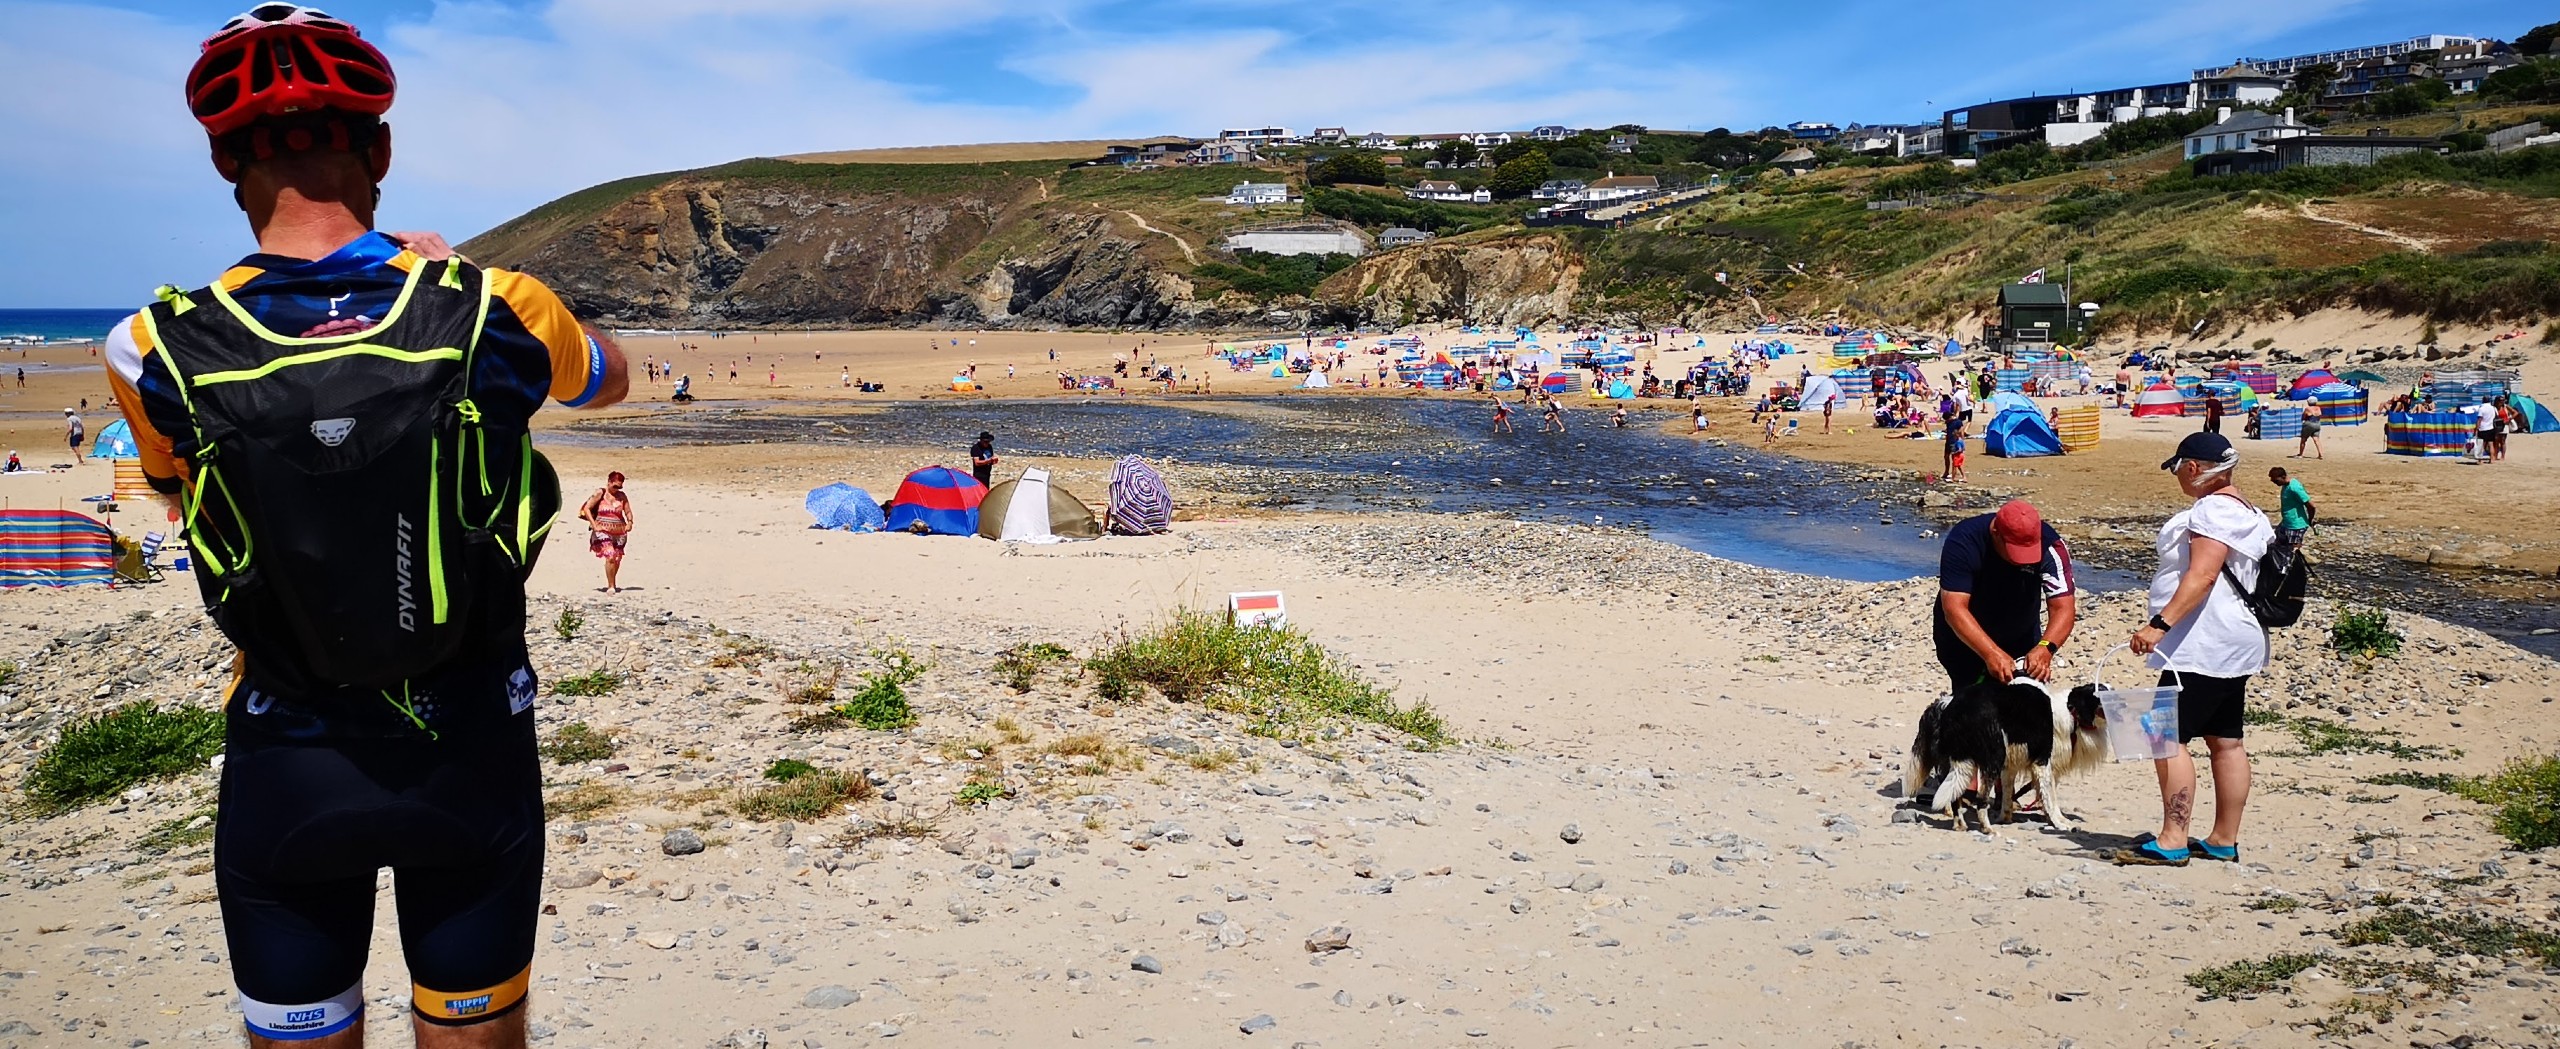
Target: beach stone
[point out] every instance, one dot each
(1022, 858)
(1572, 834)
(681, 841)
(1258, 1024)
(575, 878)
(1587, 882)
(1343, 999)
(831, 996)
(1171, 744)
(1519, 905)
(1234, 834)
(1328, 939)
(1146, 963)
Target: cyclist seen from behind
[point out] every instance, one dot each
(345, 423)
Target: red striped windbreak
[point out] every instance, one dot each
(54, 548)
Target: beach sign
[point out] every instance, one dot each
(1257, 608)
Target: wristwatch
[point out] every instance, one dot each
(2159, 624)
(2044, 643)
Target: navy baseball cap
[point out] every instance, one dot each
(2202, 447)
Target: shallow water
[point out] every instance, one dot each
(1337, 453)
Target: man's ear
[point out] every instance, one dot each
(224, 163)
(377, 157)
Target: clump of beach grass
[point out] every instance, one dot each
(578, 742)
(800, 791)
(1276, 675)
(101, 755)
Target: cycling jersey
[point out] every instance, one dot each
(531, 349)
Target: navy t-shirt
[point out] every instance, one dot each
(2008, 599)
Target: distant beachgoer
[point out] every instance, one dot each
(2502, 418)
(608, 517)
(1008, 371)
(1769, 432)
(2310, 436)
(1554, 417)
(1618, 419)
(982, 458)
(733, 371)
(2212, 413)
(72, 426)
(2297, 511)
(769, 374)
(1955, 451)
(1697, 419)
(1501, 416)
(846, 378)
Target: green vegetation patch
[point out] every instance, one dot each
(101, 755)
(1267, 276)
(597, 682)
(2525, 793)
(1276, 675)
(881, 703)
(2365, 632)
(1378, 210)
(569, 623)
(578, 742)
(178, 833)
(1020, 667)
(803, 795)
(2322, 736)
(2248, 979)
(2450, 934)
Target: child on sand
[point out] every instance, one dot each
(1955, 451)
(1501, 416)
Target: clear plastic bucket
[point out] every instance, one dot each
(2142, 723)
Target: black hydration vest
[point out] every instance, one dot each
(352, 510)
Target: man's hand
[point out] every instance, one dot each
(2040, 663)
(428, 245)
(1999, 670)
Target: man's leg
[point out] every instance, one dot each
(298, 935)
(468, 911)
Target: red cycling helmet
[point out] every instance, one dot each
(280, 59)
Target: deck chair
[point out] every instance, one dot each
(134, 559)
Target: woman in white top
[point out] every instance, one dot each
(2204, 639)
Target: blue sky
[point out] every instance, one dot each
(106, 191)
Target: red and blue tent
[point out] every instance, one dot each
(54, 548)
(943, 500)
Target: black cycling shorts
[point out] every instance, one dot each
(303, 832)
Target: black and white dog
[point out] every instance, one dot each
(2021, 731)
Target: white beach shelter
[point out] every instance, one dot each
(1818, 391)
(1027, 519)
(1315, 381)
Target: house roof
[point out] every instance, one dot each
(1400, 232)
(1436, 186)
(2031, 295)
(2246, 120)
(1246, 187)
(2243, 71)
(1626, 182)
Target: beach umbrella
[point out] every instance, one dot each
(1140, 504)
(2361, 376)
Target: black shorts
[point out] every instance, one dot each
(2208, 706)
(305, 828)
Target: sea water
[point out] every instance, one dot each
(75, 325)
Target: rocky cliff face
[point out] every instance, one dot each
(1527, 279)
(740, 252)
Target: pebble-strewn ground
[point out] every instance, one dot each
(1688, 834)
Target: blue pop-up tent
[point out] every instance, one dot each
(2020, 433)
(844, 506)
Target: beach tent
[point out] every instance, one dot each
(1561, 382)
(1140, 503)
(114, 442)
(2537, 418)
(2280, 424)
(2159, 399)
(54, 548)
(2340, 404)
(2077, 426)
(1622, 390)
(2431, 434)
(844, 506)
(2008, 402)
(1315, 381)
(1821, 390)
(2020, 433)
(942, 500)
(1028, 509)
(963, 384)
(2310, 382)
(2257, 377)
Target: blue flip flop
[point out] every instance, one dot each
(2148, 853)
(2218, 853)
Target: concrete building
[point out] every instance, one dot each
(1313, 238)
(2239, 84)
(1813, 131)
(2287, 66)
(1401, 236)
(1259, 193)
(2318, 151)
(1254, 134)
(1616, 187)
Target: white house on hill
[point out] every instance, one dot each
(1435, 189)
(1617, 187)
(2245, 130)
(1258, 193)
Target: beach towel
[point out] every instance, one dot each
(1140, 504)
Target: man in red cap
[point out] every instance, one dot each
(2004, 594)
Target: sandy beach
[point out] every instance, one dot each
(1669, 815)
